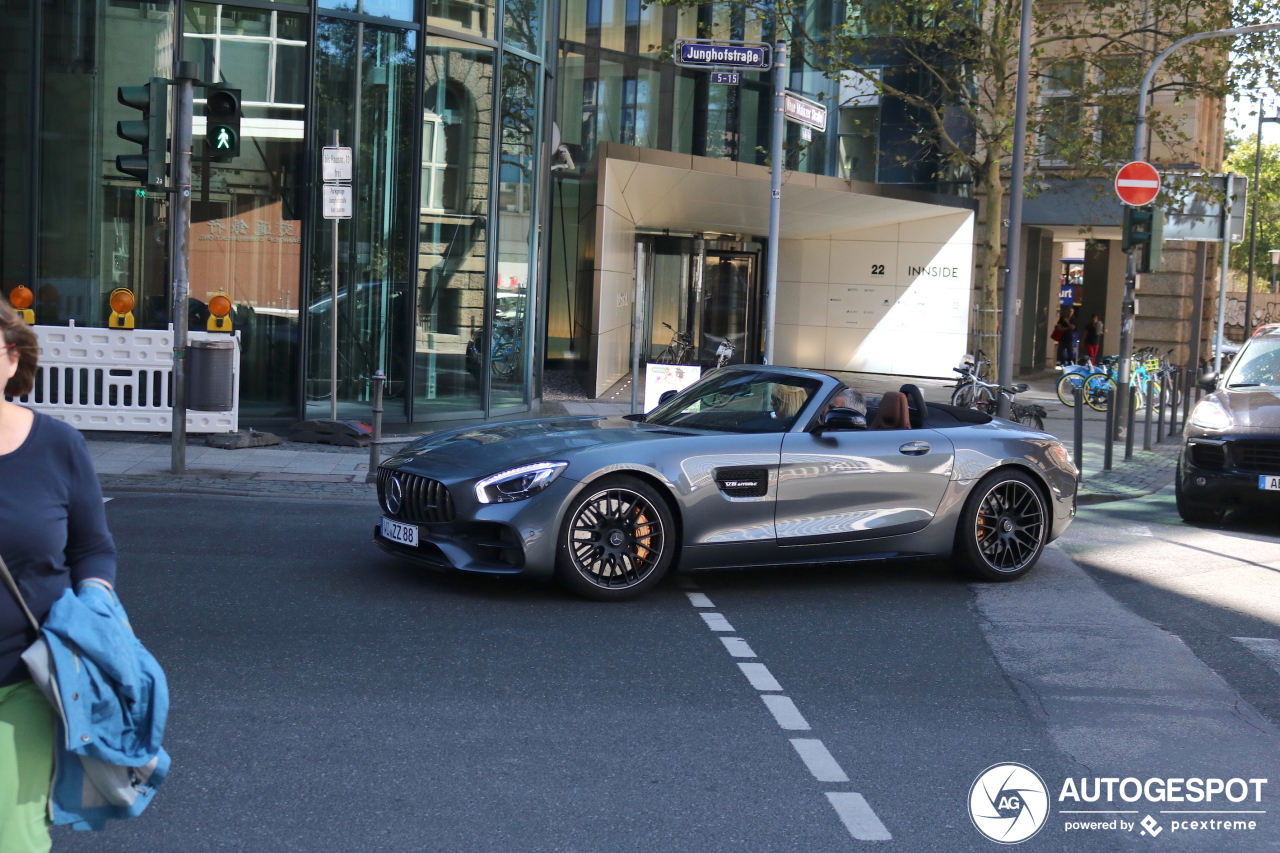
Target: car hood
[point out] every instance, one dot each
(1252, 409)
(483, 450)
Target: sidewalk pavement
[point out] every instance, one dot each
(135, 462)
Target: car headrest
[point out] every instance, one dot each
(916, 398)
(894, 413)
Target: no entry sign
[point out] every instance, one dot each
(1137, 183)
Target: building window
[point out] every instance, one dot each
(1063, 111)
(262, 53)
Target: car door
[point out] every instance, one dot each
(845, 486)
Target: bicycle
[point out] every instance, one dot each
(969, 390)
(678, 351)
(1032, 414)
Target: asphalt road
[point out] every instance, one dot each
(327, 698)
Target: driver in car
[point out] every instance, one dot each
(848, 398)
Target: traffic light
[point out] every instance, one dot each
(1144, 231)
(222, 123)
(152, 132)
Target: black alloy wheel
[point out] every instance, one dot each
(616, 542)
(1004, 526)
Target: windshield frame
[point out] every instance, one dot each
(1252, 344)
(825, 384)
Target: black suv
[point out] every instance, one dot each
(1231, 444)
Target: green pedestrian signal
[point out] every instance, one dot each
(151, 132)
(222, 123)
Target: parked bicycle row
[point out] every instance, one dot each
(1150, 373)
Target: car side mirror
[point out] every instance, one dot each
(1208, 382)
(665, 396)
(841, 419)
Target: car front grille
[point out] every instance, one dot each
(424, 500)
(1211, 457)
(1256, 457)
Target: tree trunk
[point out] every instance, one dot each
(987, 238)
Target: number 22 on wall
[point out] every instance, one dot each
(877, 269)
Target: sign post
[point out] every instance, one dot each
(1137, 184)
(775, 199)
(335, 170)
(184, 90)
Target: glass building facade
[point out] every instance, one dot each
(460, 273)
(442, 104)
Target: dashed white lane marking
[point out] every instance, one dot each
(737, 647)
(852, 808)
(1263, 647)
(785, 712)
(716, 622)
(1136, 530)
(858, 817)
(104, 500)
(760, 676)
(821, 763)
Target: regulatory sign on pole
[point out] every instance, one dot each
(710, 53)
(335, 163)
(1137, 183)
(336, 201)
(803, 111)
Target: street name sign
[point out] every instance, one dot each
(1137, 183)
(727, 78)
(336, 201)
(709, 53)
(335, 163)
(803, 111)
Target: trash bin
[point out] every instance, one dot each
(210, 375)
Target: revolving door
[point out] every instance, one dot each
(701, 293)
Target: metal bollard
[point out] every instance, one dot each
(1164, 392)
(1146, 417)
(1108, 442)
(1078, 394)
(1128, 433)
(375, 443)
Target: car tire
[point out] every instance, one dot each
(1193, 512)
(1003, 527)
(617, 541)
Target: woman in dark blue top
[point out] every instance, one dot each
(53, 534)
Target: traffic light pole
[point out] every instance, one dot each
(179, 221)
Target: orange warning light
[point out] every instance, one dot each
(21, 297)
(122, 300)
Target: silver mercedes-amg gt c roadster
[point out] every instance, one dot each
(751, 466)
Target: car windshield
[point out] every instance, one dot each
(738, 401)
(1257, 366)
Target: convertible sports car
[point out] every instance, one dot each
(751, 466)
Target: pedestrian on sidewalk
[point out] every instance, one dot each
(1093, 337)
(53, 535)
(1064, 333)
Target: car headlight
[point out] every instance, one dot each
(1209, 414)
(1060, 457)
(518, 483)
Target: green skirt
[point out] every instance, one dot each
(26, 768)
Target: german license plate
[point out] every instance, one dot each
(1268, 483)
(405, 534)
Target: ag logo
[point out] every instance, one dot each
(1008, 803)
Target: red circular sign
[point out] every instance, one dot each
(1137, 183)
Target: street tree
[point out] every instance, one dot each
(1087, 58)
(1241, 161)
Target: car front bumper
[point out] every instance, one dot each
(517, 538)
(1224, 485)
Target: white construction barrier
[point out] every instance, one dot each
(118, 379)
